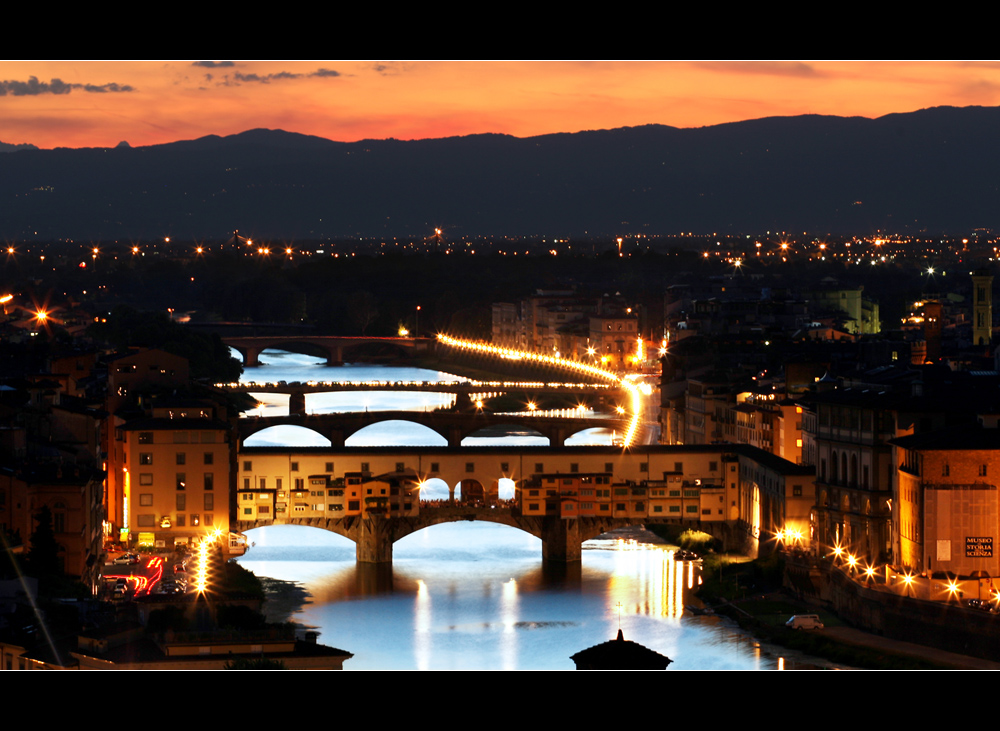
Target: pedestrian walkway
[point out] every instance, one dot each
(851, 636)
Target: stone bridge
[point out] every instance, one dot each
(562, 538)
(374, 534)
(333, 346)
(452, 426)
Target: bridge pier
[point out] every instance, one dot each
(561, 540)
(374, 540)
(335, 355)
(297, 403)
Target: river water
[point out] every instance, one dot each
(476, 595)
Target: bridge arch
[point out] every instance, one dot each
(506, 488)
(289, 435)
(434, 488)
(420, 533)
(594, 436)
(494, 434)
(407, 433)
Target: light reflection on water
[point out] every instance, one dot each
(476, 596)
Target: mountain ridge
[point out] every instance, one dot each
(933, 170)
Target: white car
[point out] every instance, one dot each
(804, 621)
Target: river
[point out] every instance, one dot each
(476, 595)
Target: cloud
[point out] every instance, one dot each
(240, 78)
(107, 87)
(325, 72)
(763, 68)
(980, 91)
(213, 64)
(34, 87)
(387, 69)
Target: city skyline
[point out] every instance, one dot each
(102, 103)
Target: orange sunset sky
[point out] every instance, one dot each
(101, 103)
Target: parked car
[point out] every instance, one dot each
(983, 605)
(126, 559)
(804, 621)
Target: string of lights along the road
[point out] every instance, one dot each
(637, 391)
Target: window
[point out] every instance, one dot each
(539, 467)
(209, 481)
(678, 466)
(574, 467)
(145, 478)
(209, 503)
(277, 483)
(982, 470)
(146, 499)
(329, 466)
(248, 466)
(208, 519)
(246, 483)
(145, 458)
(263, 483)
(146, 520)
(354, 505)
(181, 481)
(644, 466)
(470, 466)
(207, 437)
(181, 458)
(365, 467)
(145, 437)
(400, 467)
(299, 483)
(295, 466)
(797, 490)
(945, 471)
(435, 466)
(713, 466)
(181, 521)
(180, 437)
(505, 467)
(181, 502)
(690, 508)
(209, 458)
(195, 519)
(247, 511)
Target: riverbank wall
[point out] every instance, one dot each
(946, 626)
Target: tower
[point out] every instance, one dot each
(982, 307)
